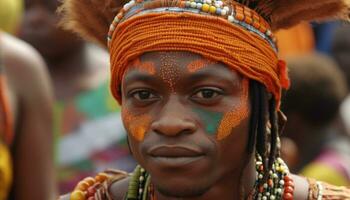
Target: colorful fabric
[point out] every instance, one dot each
(91, 137)
(5, 171)
(330, 167)
(10, 14)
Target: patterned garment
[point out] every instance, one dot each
(90, 137)
(332, 165)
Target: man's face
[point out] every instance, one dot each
(187, 120)
(40, 29)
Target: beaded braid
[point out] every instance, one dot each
(258, 135)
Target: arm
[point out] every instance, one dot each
(33, 146)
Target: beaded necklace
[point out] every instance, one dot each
(278, 184)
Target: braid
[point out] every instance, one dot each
(274, 131)
(258, 136)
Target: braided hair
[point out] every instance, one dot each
(263, 110)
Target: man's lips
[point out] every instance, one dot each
(174, 156)
(172, 151)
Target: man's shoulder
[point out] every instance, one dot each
(109, 185)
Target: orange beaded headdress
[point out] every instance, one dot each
(237, 33)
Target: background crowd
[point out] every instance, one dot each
(60, 83)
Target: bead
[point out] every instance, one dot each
(272, 197)
(199, 6)
(82, 186)
(223, 12)
(288, 189)
(226, 8)
(101, 177)
(264, 198)
(268, 33)
(193, 5)
(281, 182)
(287, 178)
(208, 2)
(248, 20)
(218, 11)
(265, 185)
(279, 191)
(77, 195)
(289, 183)
(212, 9)
(205, 7)
(230, 18)
(240, 17)
(188, 4)
(287, 196)
(90, 181)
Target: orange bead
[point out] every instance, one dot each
(270, 182)
(263, 28)
(90, 181)
(239, 16)
(248, 20)
(77, 195)
(101, 177)
(256, 24)
(289, 189)
(83, 186)
(287, 196)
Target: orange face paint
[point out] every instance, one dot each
(169, 70)
(198, 65)
(136, 125)
(234, 117)
(147, 67)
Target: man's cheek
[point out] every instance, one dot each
(137, 125)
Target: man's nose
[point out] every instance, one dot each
(174, 119)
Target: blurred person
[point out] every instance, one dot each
(199, 84)
(340, 51)
(89, 132)
(312, 107)
(296, 40)
(10, 15)
(27, 110)
(26, 140)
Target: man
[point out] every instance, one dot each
(199, 82)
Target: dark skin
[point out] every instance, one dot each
(31, 108)
(73, 66)
(185, 160)
(176, 144)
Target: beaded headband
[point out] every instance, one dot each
(235, 13)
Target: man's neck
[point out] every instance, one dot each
(236, 186)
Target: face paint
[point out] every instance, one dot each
(210, 119)
(147, 67)
(137, 125)
(198, 65)
(236, 115)
(169, 70)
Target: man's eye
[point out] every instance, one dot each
(206, 94)
(143, 95)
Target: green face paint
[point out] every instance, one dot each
(210, 119)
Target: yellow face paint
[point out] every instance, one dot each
(234, 117)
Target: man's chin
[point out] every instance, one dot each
(182, 192)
